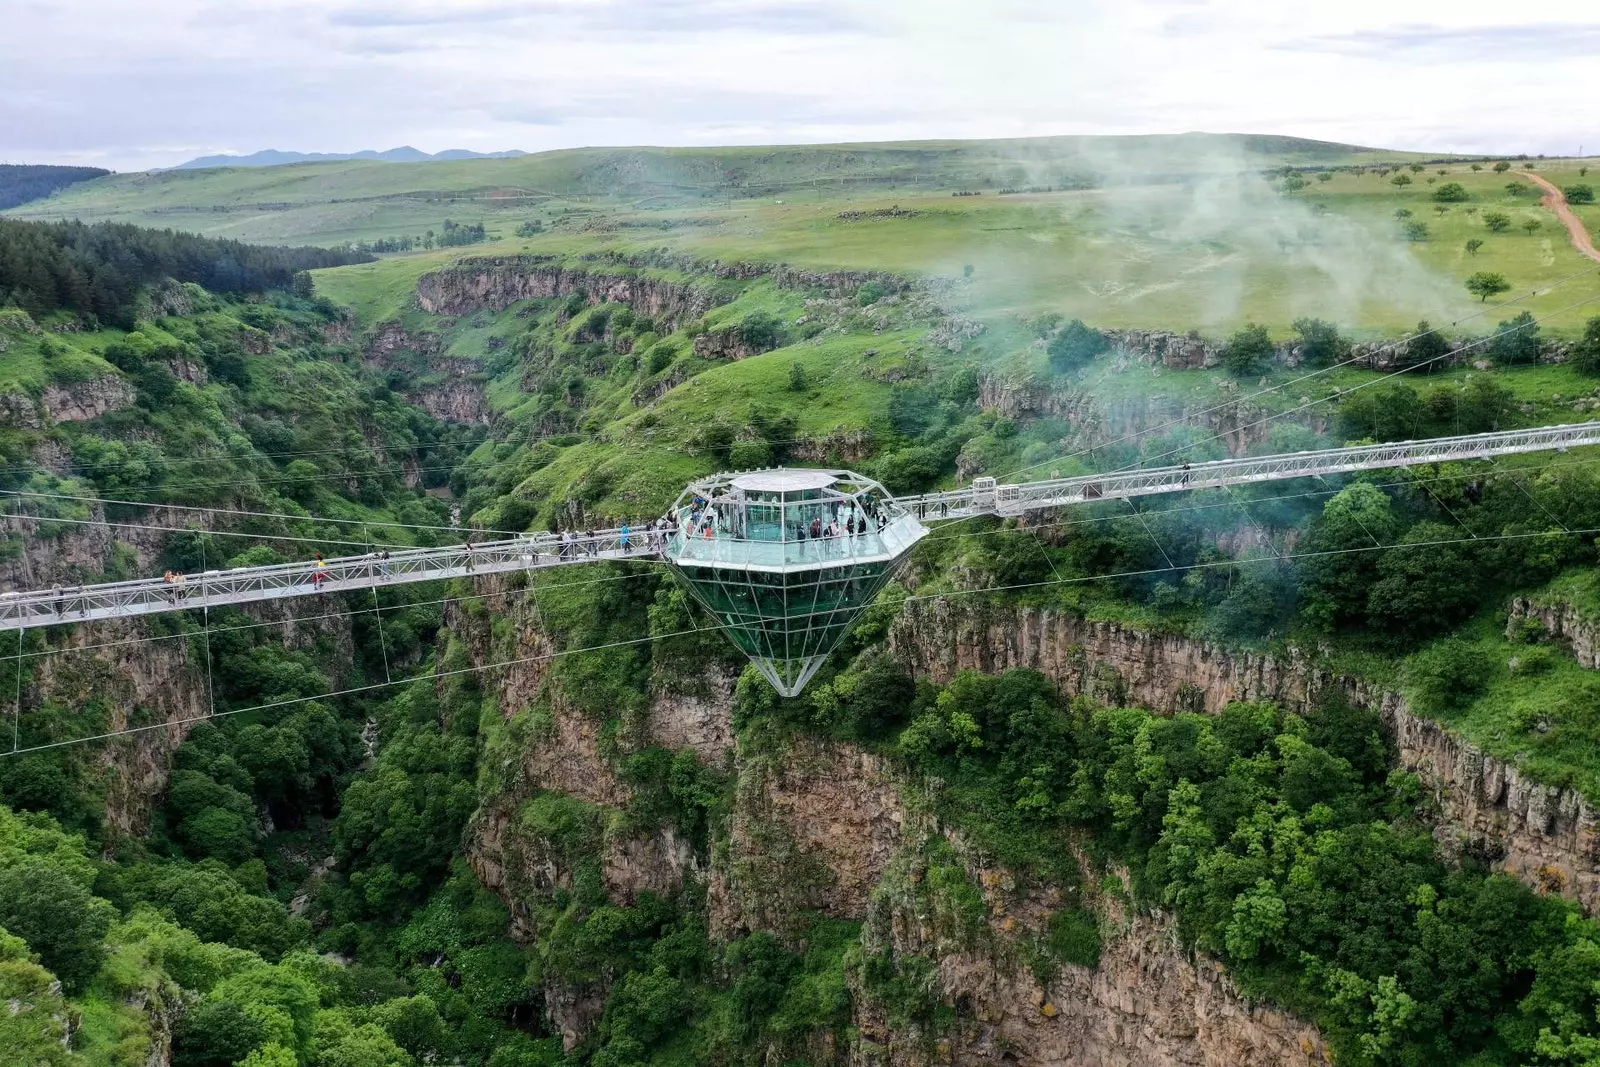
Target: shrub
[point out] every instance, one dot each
(760, 331)
(1586, 353)
(1448, 674)
(1450, 193)
(1075, 345)
(870, 293)
(1320, 342)
(57, 917)
(1579, 194)
(1247, 350)
(1516, 341)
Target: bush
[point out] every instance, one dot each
(1426, 348)
(1516, 341)
(1320, 342)
(750, 454)
(1247, 350)
(760, 331)
(1451, 193)
(1448, 675)
(1586, 353)
(1075, 345)
(870, 293)
(1579, 194)
(660, 357)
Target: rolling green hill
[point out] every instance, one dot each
(332, 202)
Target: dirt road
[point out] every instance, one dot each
(1556, 201)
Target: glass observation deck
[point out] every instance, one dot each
(787, 559)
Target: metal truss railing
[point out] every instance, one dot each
(241, 585)
(985, 497)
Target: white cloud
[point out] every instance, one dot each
(133, 83)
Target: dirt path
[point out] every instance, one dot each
(1556, 201)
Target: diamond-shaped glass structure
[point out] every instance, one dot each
(786, 559)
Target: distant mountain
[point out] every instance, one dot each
(272, 157)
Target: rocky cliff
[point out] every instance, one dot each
(1147, 1002)
(1545, 835)
(1094, 420)
(497, 282)
(445, 387)
(825, 827)
(65, 402)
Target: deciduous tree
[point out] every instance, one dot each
(1485, 284)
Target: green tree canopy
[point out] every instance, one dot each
(1485, 284)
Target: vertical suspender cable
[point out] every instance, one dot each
(16, 715)
(205, 616)
(377, 610)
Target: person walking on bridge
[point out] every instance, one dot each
(623, 536)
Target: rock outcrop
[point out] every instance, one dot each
(1239, 424)
(1562, 622)
(447, 387)
(497, 282)
(65, 402)
(816, 827)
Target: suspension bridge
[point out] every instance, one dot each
(783, 559)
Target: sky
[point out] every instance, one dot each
(135, 84)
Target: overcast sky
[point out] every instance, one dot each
(131, 84)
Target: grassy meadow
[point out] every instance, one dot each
(1208, 254)
(1188, 232)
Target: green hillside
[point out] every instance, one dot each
(330, 202)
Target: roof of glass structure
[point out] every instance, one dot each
(787, 559)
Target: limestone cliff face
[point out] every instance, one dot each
(83, 549)
(156, 681)
(497, 282)
(68, 402)
(1148, 1003)
(1545, 835)
(449, 388)
(813, 829)
(1095, 421)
